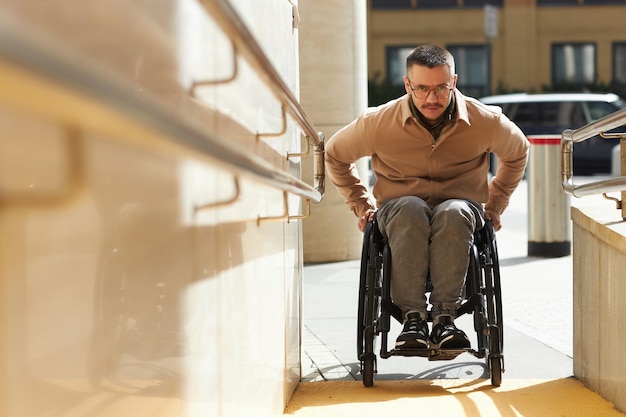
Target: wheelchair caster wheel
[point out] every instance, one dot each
(495, 370)
(368, 358)
(368, 371)
(494, 359)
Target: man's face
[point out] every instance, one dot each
(430, 89)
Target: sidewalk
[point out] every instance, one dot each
(537, 304)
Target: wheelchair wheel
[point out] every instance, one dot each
(362, 286)
(369, 305)
(493, 301)
(474, 285)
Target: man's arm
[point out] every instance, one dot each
(343, 149)
(511, 147)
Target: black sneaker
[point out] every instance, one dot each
(446, 335)
(415, 333)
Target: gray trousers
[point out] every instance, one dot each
(422, 239)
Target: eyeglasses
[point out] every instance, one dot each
(421, 91)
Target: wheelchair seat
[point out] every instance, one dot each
(481, 297)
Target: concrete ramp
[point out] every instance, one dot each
(449, 397)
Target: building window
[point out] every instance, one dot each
(573, 64)
(432, 4)
(391, 4)
(437, 4)
(619, 62)
(482, 3)
(396, 63)
(557, 3)
(577, 2)
(590, 2)
(473, 65)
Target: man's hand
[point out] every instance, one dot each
(494, 218)
(369, 216)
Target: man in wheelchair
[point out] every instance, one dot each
(430, 153)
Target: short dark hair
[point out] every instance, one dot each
(430, 56)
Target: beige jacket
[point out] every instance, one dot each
(408, 161)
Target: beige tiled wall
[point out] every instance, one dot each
(119, 294)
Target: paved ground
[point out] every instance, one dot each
(537, 298)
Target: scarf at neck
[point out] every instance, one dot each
(438, 125)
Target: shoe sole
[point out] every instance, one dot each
(460, 343)
(409, 345)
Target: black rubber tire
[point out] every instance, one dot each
(494, 360)
(369, 361)
(495, 370)
(362, 286)
(371, 307)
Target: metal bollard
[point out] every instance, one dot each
(549, 228)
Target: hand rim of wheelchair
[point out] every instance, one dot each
(484, 303)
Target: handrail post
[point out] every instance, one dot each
(569, 137)
(622, 164)
(319, 167)
(566, 159)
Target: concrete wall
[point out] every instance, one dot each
(599, 254)
(119, 294)
(333, 68)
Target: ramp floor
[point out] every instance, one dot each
(565, 397)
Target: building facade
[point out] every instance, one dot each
(505, 45)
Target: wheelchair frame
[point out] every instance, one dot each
(482, 298)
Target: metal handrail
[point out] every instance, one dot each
(45, 61)
(246, 45)
(569, 137)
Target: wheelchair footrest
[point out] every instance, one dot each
(445, 355)
(410, 352)
(431, 354)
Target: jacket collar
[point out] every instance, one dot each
(461, 108)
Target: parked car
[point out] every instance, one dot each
(538, 114)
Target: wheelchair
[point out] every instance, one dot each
(482, 297)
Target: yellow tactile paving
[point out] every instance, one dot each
(450, 398)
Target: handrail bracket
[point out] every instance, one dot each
(618, 202)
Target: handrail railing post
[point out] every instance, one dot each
(566, 159)
(622, 164)
(319, 177)
(599, 127)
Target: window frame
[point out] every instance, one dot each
(473, 89)
(384, 6)
(478, 4)
(391, 78)
(553, 50)
(603, 2)
(557, 3)
(614, 64)
(437, 4)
